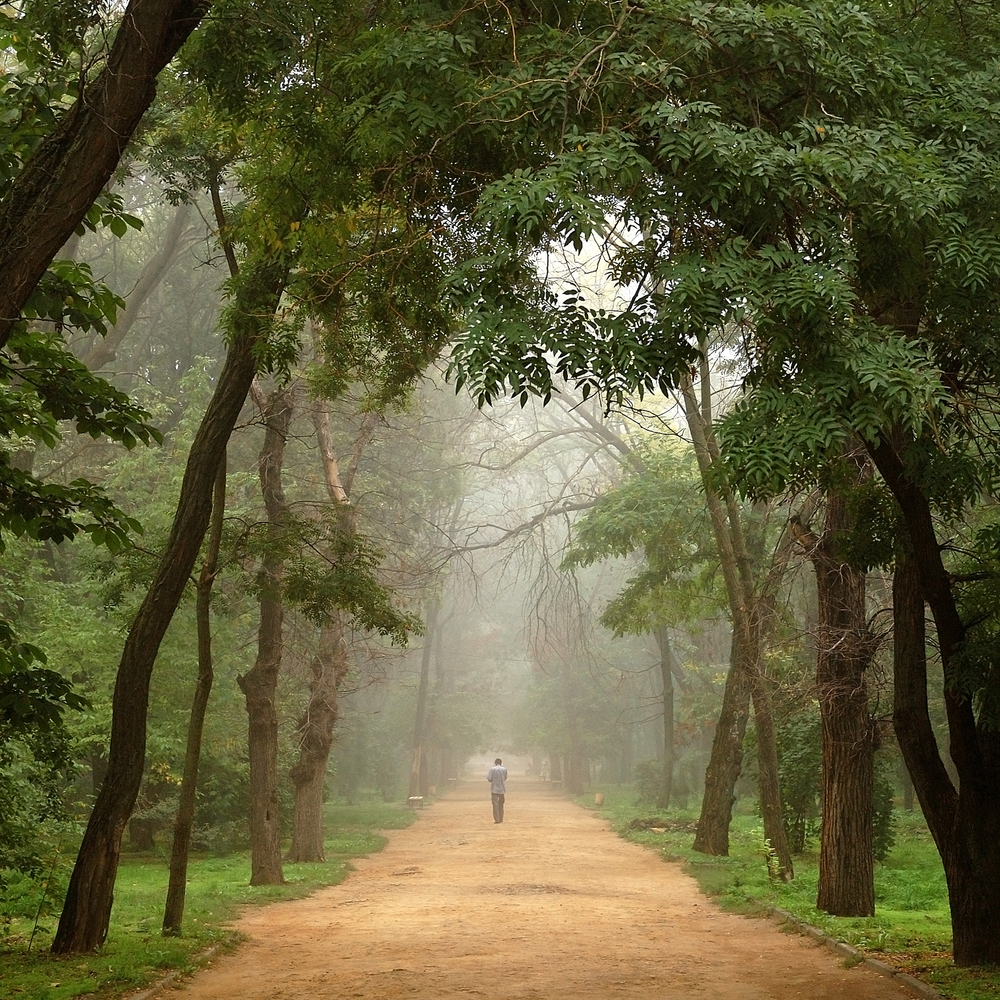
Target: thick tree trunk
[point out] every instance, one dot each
(667, 677)
(84, 922)
(64, 176)
(844, 650)
(964, 822)
(173, 911)
(329, 668)
(260, 683)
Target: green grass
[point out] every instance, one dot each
(135, 954)
(911, 929)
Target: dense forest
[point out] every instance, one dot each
(382, 384)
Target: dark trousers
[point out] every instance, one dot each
(497, 808)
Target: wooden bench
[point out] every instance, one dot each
(415, 800)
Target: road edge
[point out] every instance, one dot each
(915, 986)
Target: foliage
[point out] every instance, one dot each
(800, 763)
(647, 776)
(659, 511)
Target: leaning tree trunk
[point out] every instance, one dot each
(173, 911)
(844, 651)
(726, 758)
(260, 683)
(66, 173)
(315, 738)
(87, 910)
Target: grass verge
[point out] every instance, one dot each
(135, 954)
(911, 929)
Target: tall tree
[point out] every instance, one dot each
(751, 148)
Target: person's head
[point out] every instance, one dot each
(498, 761)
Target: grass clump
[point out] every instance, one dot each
(911, 929)
(135, 954)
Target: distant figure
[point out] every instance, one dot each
(497, 777)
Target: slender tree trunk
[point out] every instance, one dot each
(666, 673)
(104, 349)
(87, 910)
(770, 786)
(65, 174)
(260, 683)
(417, 762)
(315, 731)
(173, 911)
(575, 762)
(749, 608)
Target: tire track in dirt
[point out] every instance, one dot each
(550, 904)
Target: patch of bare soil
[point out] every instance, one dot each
(549, 904)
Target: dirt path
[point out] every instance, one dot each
(550, 904)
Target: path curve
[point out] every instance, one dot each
(550, 904)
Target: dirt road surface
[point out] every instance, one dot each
(550, 904)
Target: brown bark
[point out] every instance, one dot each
(65, 175)
(260, 683)
(315, 736)
(173, 910)
(964, 821)
(844, 651)
(725, 760)
(84, 922)
(750, 605)
(329, 667)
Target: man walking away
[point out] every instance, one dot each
(497, 777)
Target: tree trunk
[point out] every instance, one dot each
(770, 786)
(315, 731)
(667, 676)
(964, 822)
(66, 173)
(417, 761)
(103, 350)
(260, 683)
(87, 910)
(173, 911)
(555, 766)
(844, 651)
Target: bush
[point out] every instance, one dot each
(646, 777)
